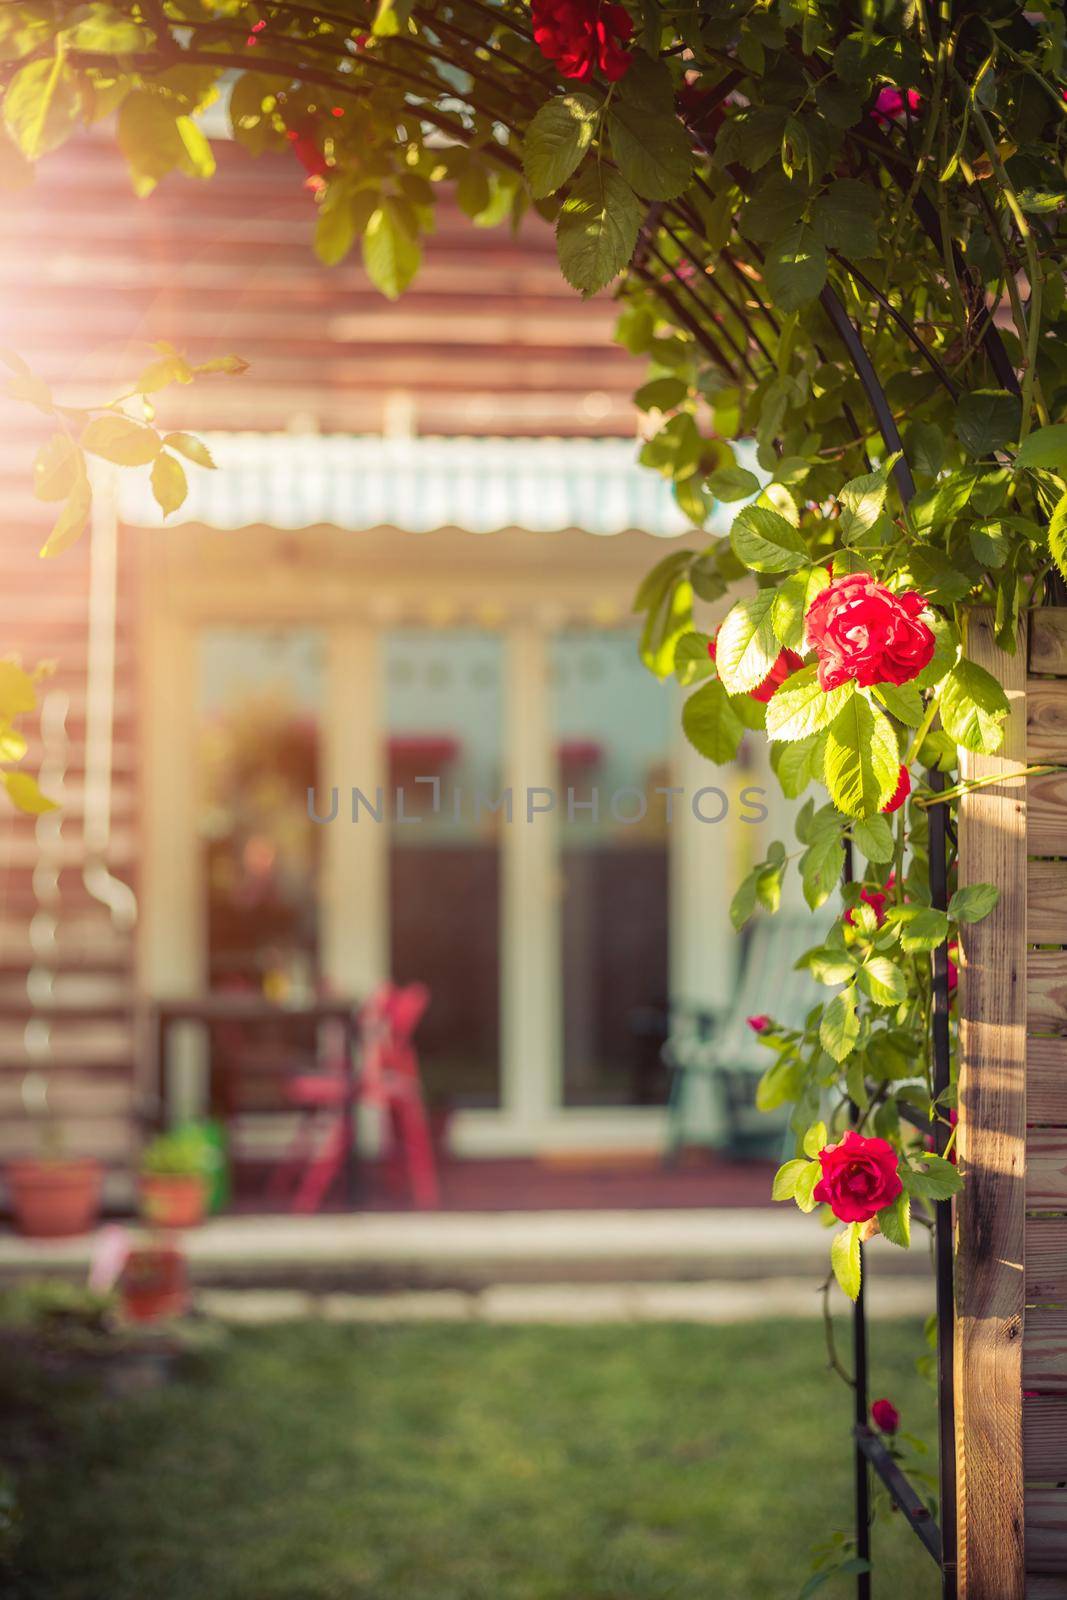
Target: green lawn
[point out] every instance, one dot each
(315, 1462)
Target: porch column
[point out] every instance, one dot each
(531, 1018)
(353, 879)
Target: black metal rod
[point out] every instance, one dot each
(946, 1394)
(908, 1499)
(862, 1474)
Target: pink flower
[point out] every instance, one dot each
(759, 1024)
(890, 104)
(885, 1416)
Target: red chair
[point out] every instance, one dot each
(388, 1078)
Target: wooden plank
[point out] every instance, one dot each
(1045, 1350)
(1048, 640)
(1046, 1082)
(992, 1128)
(1045, 1586)
(1046, 1169)
(1045, 1438)
(1046, 720)
(1046, 902)
(1046, 991)
(1046, 1259)
(1046, 1529)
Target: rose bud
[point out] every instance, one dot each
(759, 1024)
(885, 1416)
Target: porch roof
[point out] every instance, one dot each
(419, 484)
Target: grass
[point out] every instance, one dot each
(319, 1462)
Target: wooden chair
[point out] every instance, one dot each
(717, 1057)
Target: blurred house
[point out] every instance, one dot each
(415, 561)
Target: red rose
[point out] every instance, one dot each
(786, 664)
(759, 1024)
(860, 629)
(900, 793)
(885, 1416)
(582, 35)
(859, 1177)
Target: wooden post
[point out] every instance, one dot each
(990, 1298)
(1044, 1354)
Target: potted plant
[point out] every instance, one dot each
(154, 1283)
(53, 1196)
(175, 1170)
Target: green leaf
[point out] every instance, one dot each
(987, 420)
(766, 542)
(991, 543)
(692, 661)
(57, 467)
(862, 500)
(862, 759)
(746, 648)
(41, 106)
(845, 1259)
(652, 151)
(1046, 448)
(846, 216)
(800, 706)
(803, 1194)
(596, 232)
(795, 269)
(557, 138)
(743, 904)
(733, 483)
(973, 902)
(815, 1139)
(169, 483)
(792, 600)
(156, 138)
(883, 981)
(17, 693)
(840, 1025)
(797, 763)
(342, 218)
(894, 1222)
(71, 522)
(820, 868)
(973, 707)
(390, 254)
(661, 394)
(711, 724)
(119, 439)
(25, 794)
(1057, 535)
(784, 1186)
(936, 1179)
(921, 927)
(873, 837)
(189, 446)
(903, 701)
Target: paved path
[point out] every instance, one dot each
(568, 1303)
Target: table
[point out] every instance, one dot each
(206, 1010)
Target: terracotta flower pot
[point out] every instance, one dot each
(154, 1284)
(54, 1199)
(172, 1199)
